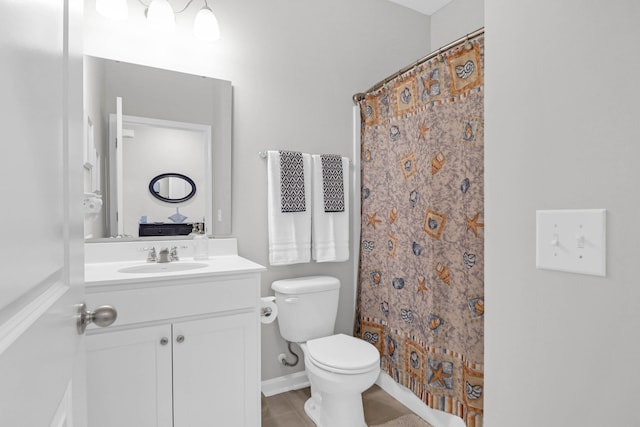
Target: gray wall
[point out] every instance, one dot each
(295, 93)
(561, 129)
(455, 20)
(294, 65)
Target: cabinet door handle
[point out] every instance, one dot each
(180, 338)
(164, 341)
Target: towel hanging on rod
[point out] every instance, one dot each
(289, 230)
(329, 227)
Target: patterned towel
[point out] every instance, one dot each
(290, 225)
(332, 183)
(292, 182)
(330, 229)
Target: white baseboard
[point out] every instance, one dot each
(411, 401)
(285, 383)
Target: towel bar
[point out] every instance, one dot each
(263, 156)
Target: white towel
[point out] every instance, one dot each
(289, 232)
(330, 229)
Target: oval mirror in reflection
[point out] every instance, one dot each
(172, 187)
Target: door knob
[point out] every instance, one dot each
(102, 316)
(180, 338)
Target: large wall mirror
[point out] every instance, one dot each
(178, 103)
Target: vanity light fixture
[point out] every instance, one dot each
(113, 9)
(205, 26)
(160, 16)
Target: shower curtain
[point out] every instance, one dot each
(421, 286)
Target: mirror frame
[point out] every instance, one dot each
(172, 175)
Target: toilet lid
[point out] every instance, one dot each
(343, 352)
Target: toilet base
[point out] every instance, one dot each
(345, 411)
(312, 410)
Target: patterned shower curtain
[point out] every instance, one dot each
(421, 286)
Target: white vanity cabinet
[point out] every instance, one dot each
(129, 378)
(225, 394)
(183, 352)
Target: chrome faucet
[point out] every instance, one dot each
(164, 255)
(151, 256)
(173, 254)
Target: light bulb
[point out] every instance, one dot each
(205, 26)
(160, 16)
(113, 9)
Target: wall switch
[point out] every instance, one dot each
(571, 240)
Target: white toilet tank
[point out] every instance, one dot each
(307, 307)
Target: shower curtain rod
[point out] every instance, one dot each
(360, 96)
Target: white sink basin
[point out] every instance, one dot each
(165, 267)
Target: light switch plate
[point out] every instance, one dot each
(571, 240)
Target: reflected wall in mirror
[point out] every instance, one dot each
(148, 148)
(165, 96)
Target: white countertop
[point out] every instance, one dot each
(107, 273)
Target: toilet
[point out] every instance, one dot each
(339, 367)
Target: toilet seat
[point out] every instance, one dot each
(343, 354)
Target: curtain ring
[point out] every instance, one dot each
(468, 44)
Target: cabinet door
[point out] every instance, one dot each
(216, 372)
(129, 378)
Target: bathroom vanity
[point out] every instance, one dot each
(185, 348)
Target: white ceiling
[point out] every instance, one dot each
(428, 7)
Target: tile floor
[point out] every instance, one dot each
(287, 409)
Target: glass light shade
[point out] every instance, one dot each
(160, 16)
(205, 26)
(113, 9)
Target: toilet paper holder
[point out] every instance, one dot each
(268, 310)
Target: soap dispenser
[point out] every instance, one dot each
(200, 242)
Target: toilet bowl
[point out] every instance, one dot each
(339, 367)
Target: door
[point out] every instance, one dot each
(129, 377)
(41, 251)
(215, 371)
